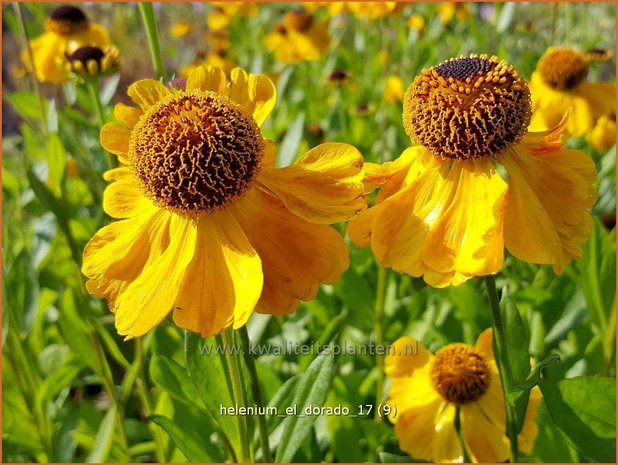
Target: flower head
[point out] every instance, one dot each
(427, 390)
(208, 227)
(559, 85)
(67, 29)
(444, 211)
(92, 60)
(298, 37)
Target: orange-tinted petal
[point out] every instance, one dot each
(123, 198)
(127, 115)
(324, 186)
(296, 255)
(115, 139)
(147, 92)
(207, 78)
(224, 280)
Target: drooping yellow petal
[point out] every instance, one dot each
(547, 218)
(466, 238)
(324, 186)
(484, 440)
(115, 139)
(255, 92)
(530, 430)
(429, 433)
(296, 255)
(123, 198)
(207, 78)
(152, 295)
(484, 344)
(127, 115)
(406, 356)
(224, 280)
(147, 92)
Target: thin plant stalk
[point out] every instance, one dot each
(506, 371)
(379, 336)
(148, 17)
(232, 361)
(35, 82)
(255, 390)
(92, 84)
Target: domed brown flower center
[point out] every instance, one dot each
(67, 19)
(467, 108)
(299, 20)
(460, 374)
(196, 152)
(563, 68)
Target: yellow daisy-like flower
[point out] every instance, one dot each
(217, 59)
(559, 85)
(181, 29)
(67, 29)
(393, 89)
(372, 10)
(427, 390)
(445, 212)
(603, 135)
(299, 37)
(208, 227)
(225, 12)
(449, 10)
(90, 60)
(416, 22)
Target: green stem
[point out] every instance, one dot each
(506, 371)
(92, 83)
(150, 23)
(144, 395)
(238, 390)
(255, 390)
(35, 82)
(379, 336)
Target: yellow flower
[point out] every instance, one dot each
(393, 89)
(416, 22)
(444, 211)
(603, 135)
(208, 227)
(372, 10)
(92, 60)
(225, 12)
(217, 59)
(448, 10)
(559, 85)
(299, 37)
(66, 30)
(220, 40)
(427, 390)
(181, 29)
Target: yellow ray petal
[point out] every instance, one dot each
(324, 186)
(530, 430)
(207, 78)
(484, 344)
(127, 115)
(123, 198)
(406, 356)
(115, 139)
(149, 298)
(429, 433)
(484, 440)
(147, 92)
(467, 236)
(296, 255)
(255, 92)
(224, 281)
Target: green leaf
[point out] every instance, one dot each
(172, 377)
(386, 457)
(190, 444)
(282, 399)
(57, 162)
(208, 376)
(517, 354)
(26, 104)
(535, 375)
(104, 438)
(291, 141)
(584, 409)
(312, 390)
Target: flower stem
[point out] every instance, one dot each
(92, 84)
(379, 335)
(232, 361)
(255, 390)
(506, 372)
(35, 82)
(148, 17)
